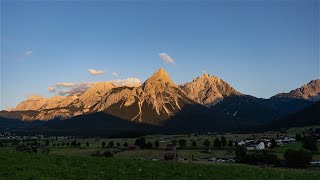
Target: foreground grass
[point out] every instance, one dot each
(14, 165)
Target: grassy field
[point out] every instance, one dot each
(280, 150)
(16, 165)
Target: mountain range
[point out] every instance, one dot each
(207, 103)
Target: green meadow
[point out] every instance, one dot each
(16, 165)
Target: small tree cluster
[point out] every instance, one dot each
(206, 143)
(182, 143)
(256, 157)
(156, 144)
(310, 143)
(297, 158)
(141, 142)
(102, 154)
(110, 144)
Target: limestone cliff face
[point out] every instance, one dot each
(94, 94)
(152, 102)
(50, 108)
(157, 99)
(39, 103)
(310, 91)
(208, 90)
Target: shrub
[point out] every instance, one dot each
(217, 143)
(141, 142)
(297, 158)
(310, 143)
(111, 144)
(223, 141)
(194, 144)
(149, 145)
(206, 143)
(182, 143)
(156, 144)
(261, 157)
(100, 154)
(298, 137)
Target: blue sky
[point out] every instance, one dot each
(260, 47)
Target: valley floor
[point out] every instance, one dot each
(15, 165)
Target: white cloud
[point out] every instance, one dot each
(114, 74)
(64, 84)
(204, 72)
(63, 88)
(51, 89)
(76, 88)
(166, 58)
(127, 82)
(28, 53)
(95, 72)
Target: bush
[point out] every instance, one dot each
(297, 158)
(27, 148)
(310, 143)
(110, 144)
(241, 154)
(107, 154)
(44, 150)
(149, 145)
(100, 154)
(298, 137)
(223, 141)
(217, 143)
(141, 142)
(261, 157)
(206, 143)
(194, 144)
(182, 143)
(156, 144)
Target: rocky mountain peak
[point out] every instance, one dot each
(206, 78)
(208, 90)
(95, 93)
(161, 76)
(310, 91)
(34, 98)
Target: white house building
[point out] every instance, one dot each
(256, 146)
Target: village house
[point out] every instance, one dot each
(249, 140)
(285, 140)
(241, 143)
(256, 146)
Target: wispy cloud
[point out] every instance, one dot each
(64, 84)
(25, 55)
(166, 58)
(114, 74)
(79, 88)
(127, 82)
(51, 89)
(66, 88)
(28, 53)
(95, 72)
(63, 88)
(204, 72)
